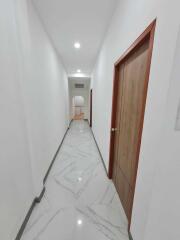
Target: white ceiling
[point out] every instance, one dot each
(74, 80)
(68, 21)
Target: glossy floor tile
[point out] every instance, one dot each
(80, 202)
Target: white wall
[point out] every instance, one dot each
(163, 222)
(16, 184)
(129, 21)
(45, 88)
(78, 101)
(34, 110)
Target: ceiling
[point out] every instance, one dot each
(70, 21)
(75, 80)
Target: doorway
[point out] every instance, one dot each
(78, 107)
(129, 100)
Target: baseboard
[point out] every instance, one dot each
(70, 123)
(38, 199)
(99, 150)
(20, 233)
(23, 226)
(130, 236)
(54, 158)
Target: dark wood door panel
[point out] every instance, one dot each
(125, 192)
(118, 119)
(133, 87)
(129, 98)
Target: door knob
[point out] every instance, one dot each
(114, 129)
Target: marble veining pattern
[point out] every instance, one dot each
(80, 202)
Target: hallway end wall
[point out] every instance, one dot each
(129, 21)
(86, 95)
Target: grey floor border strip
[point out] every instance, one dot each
(23, 226)
(54, 158)
(98, 149)
(130, 236)
(38, 199)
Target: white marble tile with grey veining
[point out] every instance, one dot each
(80, 202)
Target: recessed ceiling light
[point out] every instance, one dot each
(79, 179)
(77, 45)
(79, 222)
(79, 70)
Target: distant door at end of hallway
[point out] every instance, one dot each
(129, 99)
(78, 107)
(91, 96)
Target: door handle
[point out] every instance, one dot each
(114, 129)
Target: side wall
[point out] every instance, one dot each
(45, 88)
(34, 104)
(129, 21)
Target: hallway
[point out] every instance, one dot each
(80, 202)
(90, 120)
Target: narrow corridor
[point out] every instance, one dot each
(80, 202)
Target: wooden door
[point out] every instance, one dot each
(120, 74)
(131, 78)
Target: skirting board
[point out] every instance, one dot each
(130, 236)
(38, 199)
(23, 226)
(54, 158)
(98, 149)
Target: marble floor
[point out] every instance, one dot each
(80, 202)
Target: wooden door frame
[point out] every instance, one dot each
(147, 34)
(91, 95)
